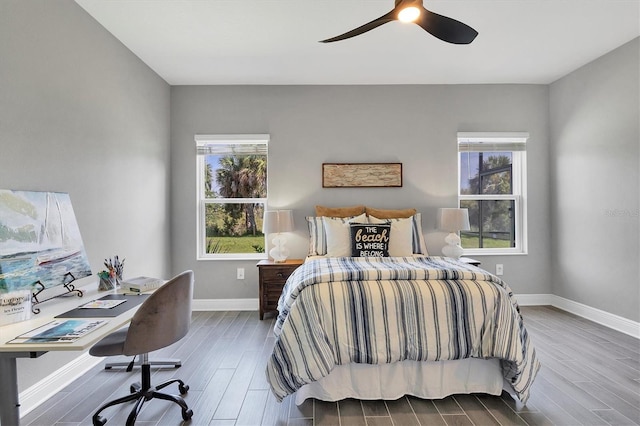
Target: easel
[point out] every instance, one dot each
(67, 285)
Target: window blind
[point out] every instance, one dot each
(231, 144)
(492, 141)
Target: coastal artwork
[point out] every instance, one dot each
(39, 241)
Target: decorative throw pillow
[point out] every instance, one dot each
(389, 214)
(318, 236)
(317, 240)
(336, 230)
(417, 238)
(339, 211)
(419, 245)
(370, 240)
(401, 243)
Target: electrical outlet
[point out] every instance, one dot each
(240, 274)
(499, 269)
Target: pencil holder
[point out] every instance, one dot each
(107, 283)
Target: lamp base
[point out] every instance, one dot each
(453, 247)
(279, 252)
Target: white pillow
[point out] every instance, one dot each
(338, 233)
(401, 236)
(417, 239)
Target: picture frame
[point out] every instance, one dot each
(361, 175)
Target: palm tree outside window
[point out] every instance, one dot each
(232, 194)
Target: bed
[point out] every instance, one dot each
(380, 327)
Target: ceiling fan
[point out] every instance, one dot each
(442, 27)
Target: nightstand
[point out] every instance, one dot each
(470, 261)
(272, 277)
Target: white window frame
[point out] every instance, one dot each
(201, 237)
(506, 142)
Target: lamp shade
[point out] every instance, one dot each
(453, 220)
(276, 221)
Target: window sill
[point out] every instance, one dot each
(472, 253)
(234, 256)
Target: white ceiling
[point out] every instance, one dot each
(191, 42)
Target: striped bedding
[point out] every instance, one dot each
(336, 311)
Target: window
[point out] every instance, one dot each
(492, 173)
(232, 195)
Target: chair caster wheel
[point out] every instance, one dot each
(135, 388)
(183, 389)
(100, 421)
(186, 415)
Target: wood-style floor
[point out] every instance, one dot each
(590, 376)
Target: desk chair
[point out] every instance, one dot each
(161, 320)
(136, 362)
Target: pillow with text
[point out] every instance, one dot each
(370, 240)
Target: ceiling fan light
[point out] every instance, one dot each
(409, 14)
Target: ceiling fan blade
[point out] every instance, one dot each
(391, 16)
(446, 29)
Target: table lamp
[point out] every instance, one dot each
(276, 222)
(453, 220)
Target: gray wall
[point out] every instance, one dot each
(309, 125)
(79, 113)
(594, 163)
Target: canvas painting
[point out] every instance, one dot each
(39, 241)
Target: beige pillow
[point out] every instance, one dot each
(390, 214)
(338, 232)
(400, 237)
(339, 211)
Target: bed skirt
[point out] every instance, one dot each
(429, 380)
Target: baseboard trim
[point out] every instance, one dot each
(534, 299)
(35, 395)
(616, 322)
(596, 315)
(225, 304)
(32, 397)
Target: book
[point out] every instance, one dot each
(142, 284)
(15, 306)
(60, 331)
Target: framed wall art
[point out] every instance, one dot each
(39, 241)
(361, 175)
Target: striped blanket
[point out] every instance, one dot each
(336, 311)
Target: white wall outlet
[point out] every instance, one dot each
(499, 269)
(240, 274)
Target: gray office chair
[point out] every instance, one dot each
(161, 320)
(130, 365)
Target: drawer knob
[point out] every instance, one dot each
(280, 275)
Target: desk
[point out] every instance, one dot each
(9, 403)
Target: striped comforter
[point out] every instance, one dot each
(336, 311)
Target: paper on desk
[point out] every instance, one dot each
(60, 331)
(102, 304)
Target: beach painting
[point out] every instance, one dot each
(39, 241)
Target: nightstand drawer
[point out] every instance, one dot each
(272, 289)
(277, 274)
(271, 295)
